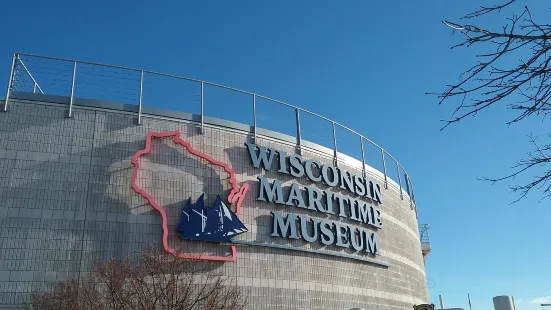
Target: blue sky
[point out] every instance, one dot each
(365, 64)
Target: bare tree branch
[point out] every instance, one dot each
(515, 67)
(155, 281)
(485, 10)
(487, 83)
(539, 157)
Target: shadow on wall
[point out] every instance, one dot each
(102, 188)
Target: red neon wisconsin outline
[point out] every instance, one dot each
(236, 194)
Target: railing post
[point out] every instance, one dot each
(363, 156)
(384, 167)
(254, 118)
(411, 198)
(399, 180)
(299, 136)
(72, 89)
(412, 195)
(10, 80)
(34, 88)
(140, 100)
(408, 189)
(202, 107)
(335, 145)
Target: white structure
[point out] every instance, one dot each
(110, 178)
(504, 303)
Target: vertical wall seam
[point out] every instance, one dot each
(87, 195)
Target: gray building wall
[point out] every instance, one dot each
(66, 199)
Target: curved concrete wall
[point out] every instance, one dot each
(66, 199)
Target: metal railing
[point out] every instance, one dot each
(20, 74)
(424, 233)
(85, 79)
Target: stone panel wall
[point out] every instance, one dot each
(65, 199)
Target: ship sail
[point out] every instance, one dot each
(195, 227)
(217, 223)
(233, 224)
(185, 217)
(198, 219)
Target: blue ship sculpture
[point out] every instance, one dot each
(216, 224)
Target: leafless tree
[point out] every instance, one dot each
(154, 281)
(514, 67)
